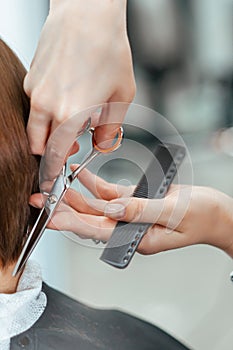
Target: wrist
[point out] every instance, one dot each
(107, 15)
(119, 5)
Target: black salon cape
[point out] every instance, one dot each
(69, 325)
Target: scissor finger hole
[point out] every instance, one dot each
(116, 142)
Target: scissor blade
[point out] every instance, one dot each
(83, 165)
(33, 238)
(58, 190)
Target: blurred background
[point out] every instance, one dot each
(183, 59)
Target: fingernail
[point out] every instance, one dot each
(115, 211)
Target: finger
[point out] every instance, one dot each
(97, 186)
(111, 118)
(141, 210)
(158, 239)
(74, 148)
(174, 188)
(85, 226)
(37, 200)
(67, 219)
(101, 188)
(114, 112)
(82, 204)
(38, 130)
(75, 200)
(26, 84)
(60, 142)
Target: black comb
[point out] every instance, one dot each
(154, 184)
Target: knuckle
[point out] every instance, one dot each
(55, 153)
(26, 84)
(43, 102)
(143, 247)
(129, 93)
(64, 109)
(106, 190)
(40, 101)
(100, 225)
(57, 108)
(63, 113)
(134, 210)
(132, 92)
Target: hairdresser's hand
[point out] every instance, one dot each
(83, 59)
(82, 215)
(188, 215)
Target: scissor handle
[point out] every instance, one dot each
(114, 147)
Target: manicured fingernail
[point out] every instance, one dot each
(114, 211)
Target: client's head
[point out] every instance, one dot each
(17, 166)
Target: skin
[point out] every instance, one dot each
(83, 59)
(188, 215)
(8, 284)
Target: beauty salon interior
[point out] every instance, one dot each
(182, 52)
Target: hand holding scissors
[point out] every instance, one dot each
(59, 189)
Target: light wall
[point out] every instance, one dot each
(20, 25)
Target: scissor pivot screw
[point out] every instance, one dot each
(52, 199)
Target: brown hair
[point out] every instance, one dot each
(18, 167)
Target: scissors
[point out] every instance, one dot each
(61, 185)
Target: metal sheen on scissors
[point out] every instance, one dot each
(60, 187)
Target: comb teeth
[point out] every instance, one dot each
(154, 184)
